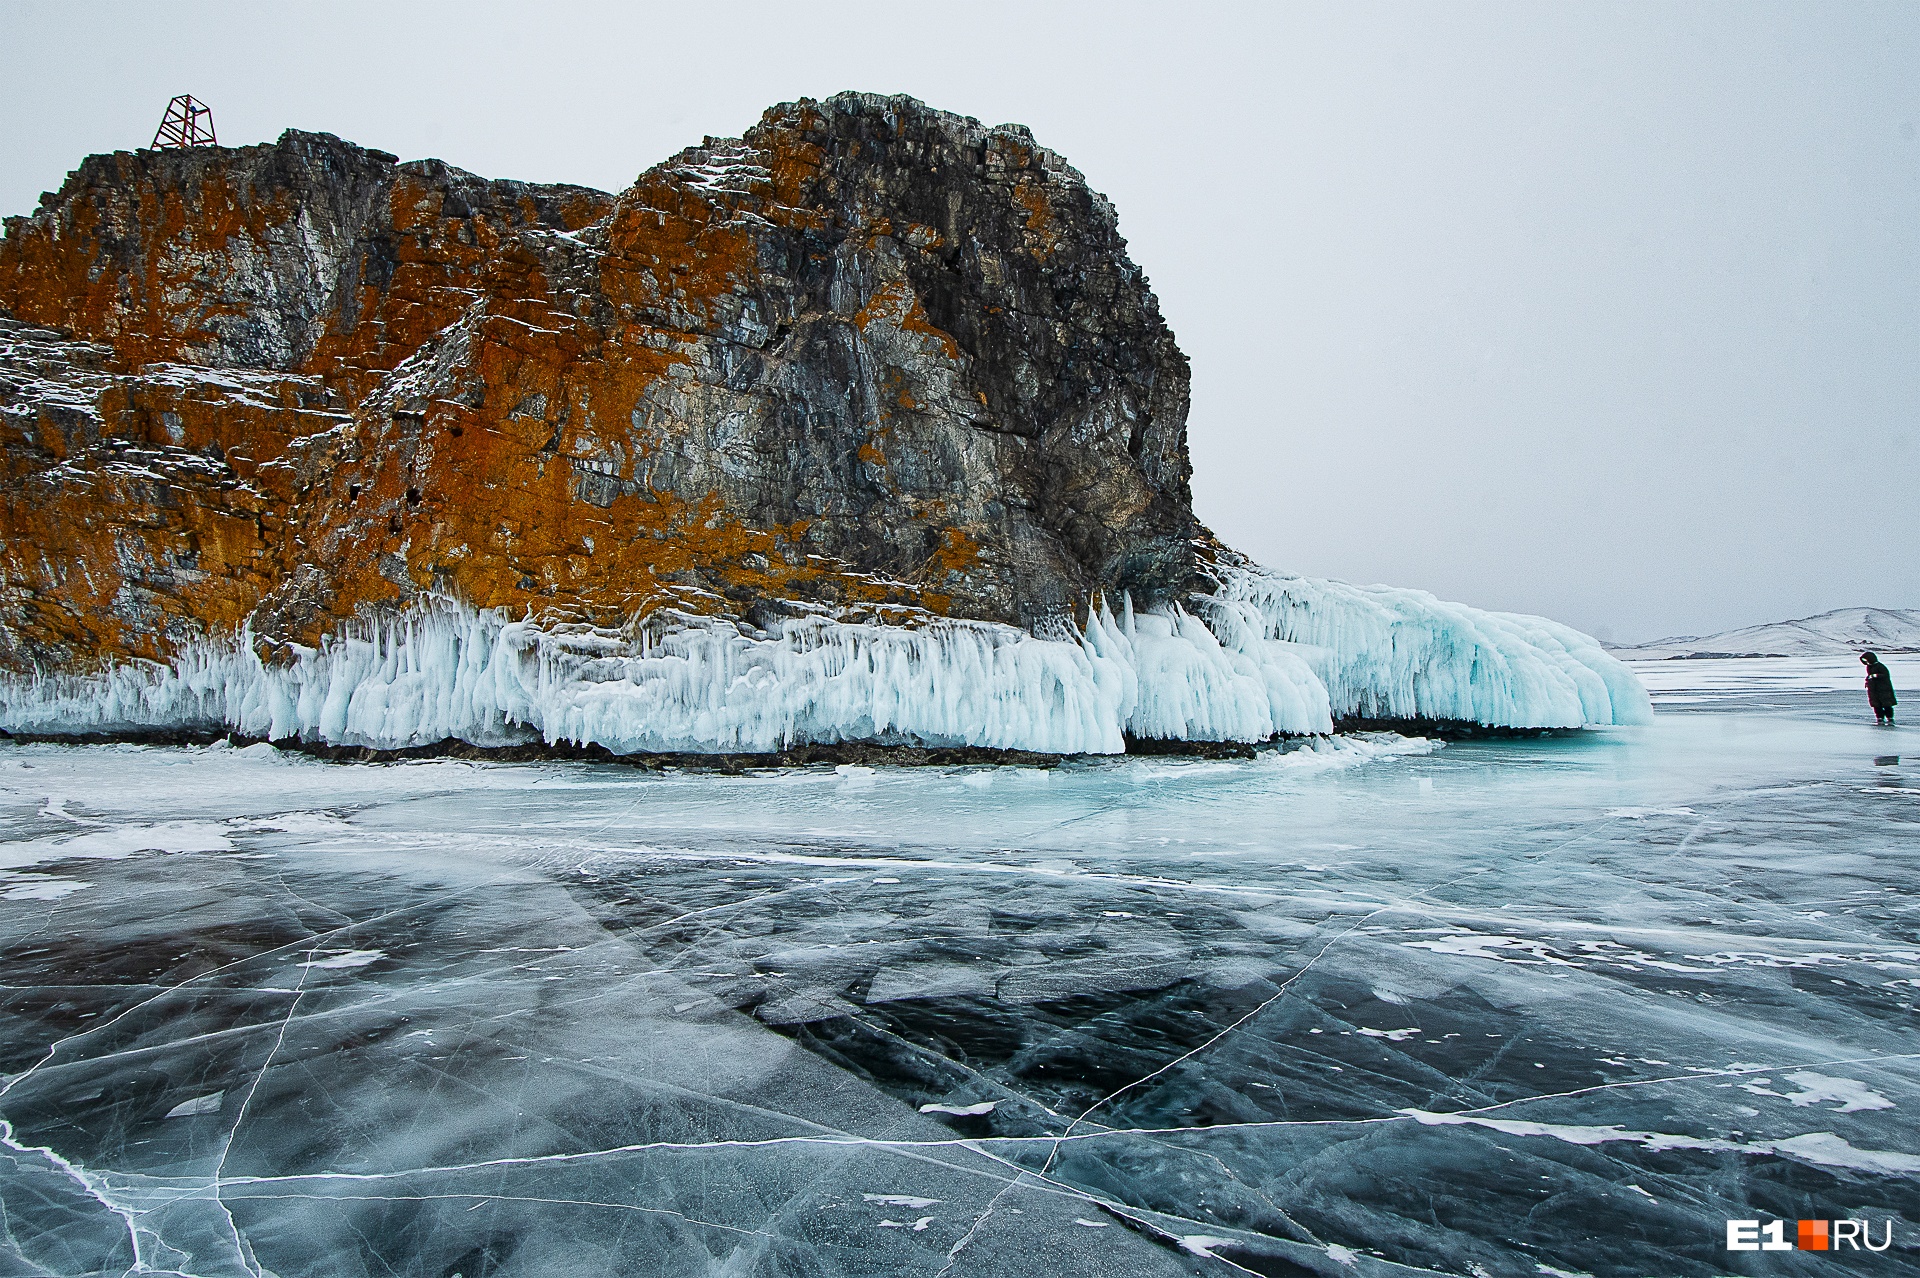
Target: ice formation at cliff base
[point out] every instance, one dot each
(1266, 655)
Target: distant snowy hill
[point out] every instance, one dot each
(1842, 630)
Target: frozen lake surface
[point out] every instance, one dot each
(1559, 1005)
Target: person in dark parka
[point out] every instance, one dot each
(1879, 688)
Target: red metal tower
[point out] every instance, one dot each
(186, 123)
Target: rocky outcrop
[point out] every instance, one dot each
(871, 358)
(860, 428)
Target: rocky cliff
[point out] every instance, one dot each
(872, 366)
(871, 355)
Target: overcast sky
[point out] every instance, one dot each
(1604, 311)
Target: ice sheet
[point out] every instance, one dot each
(1748, 675)
(1557, 1005)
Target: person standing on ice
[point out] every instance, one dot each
(1879, 689)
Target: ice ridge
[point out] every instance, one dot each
(1266, 655)
(1384, 652)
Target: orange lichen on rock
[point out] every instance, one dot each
(897, 303)
(158, 516)
(1031, 197)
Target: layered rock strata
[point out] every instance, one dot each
(809, 413)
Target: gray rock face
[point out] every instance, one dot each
(872, 357)
(249, 257)
(1061, 344)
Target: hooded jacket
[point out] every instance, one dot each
(1880, 686)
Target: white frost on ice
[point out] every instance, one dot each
(1267, 654)
(1478, 945)
(1825, 1149)
(1393, 1035)
(118, 844)
(350, 958)
(301, 822)
(964, 1111)
(37, 887)
(198, 1105)
(1327, 754)
(1822, 1148)
(899, 1200)
(1852, 1094)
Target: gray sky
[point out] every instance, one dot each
(1605, 311)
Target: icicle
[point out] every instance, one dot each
(1389, 653)
(1268, 654)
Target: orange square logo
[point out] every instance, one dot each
(1813, 1235)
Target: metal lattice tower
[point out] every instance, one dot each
(186, 123)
